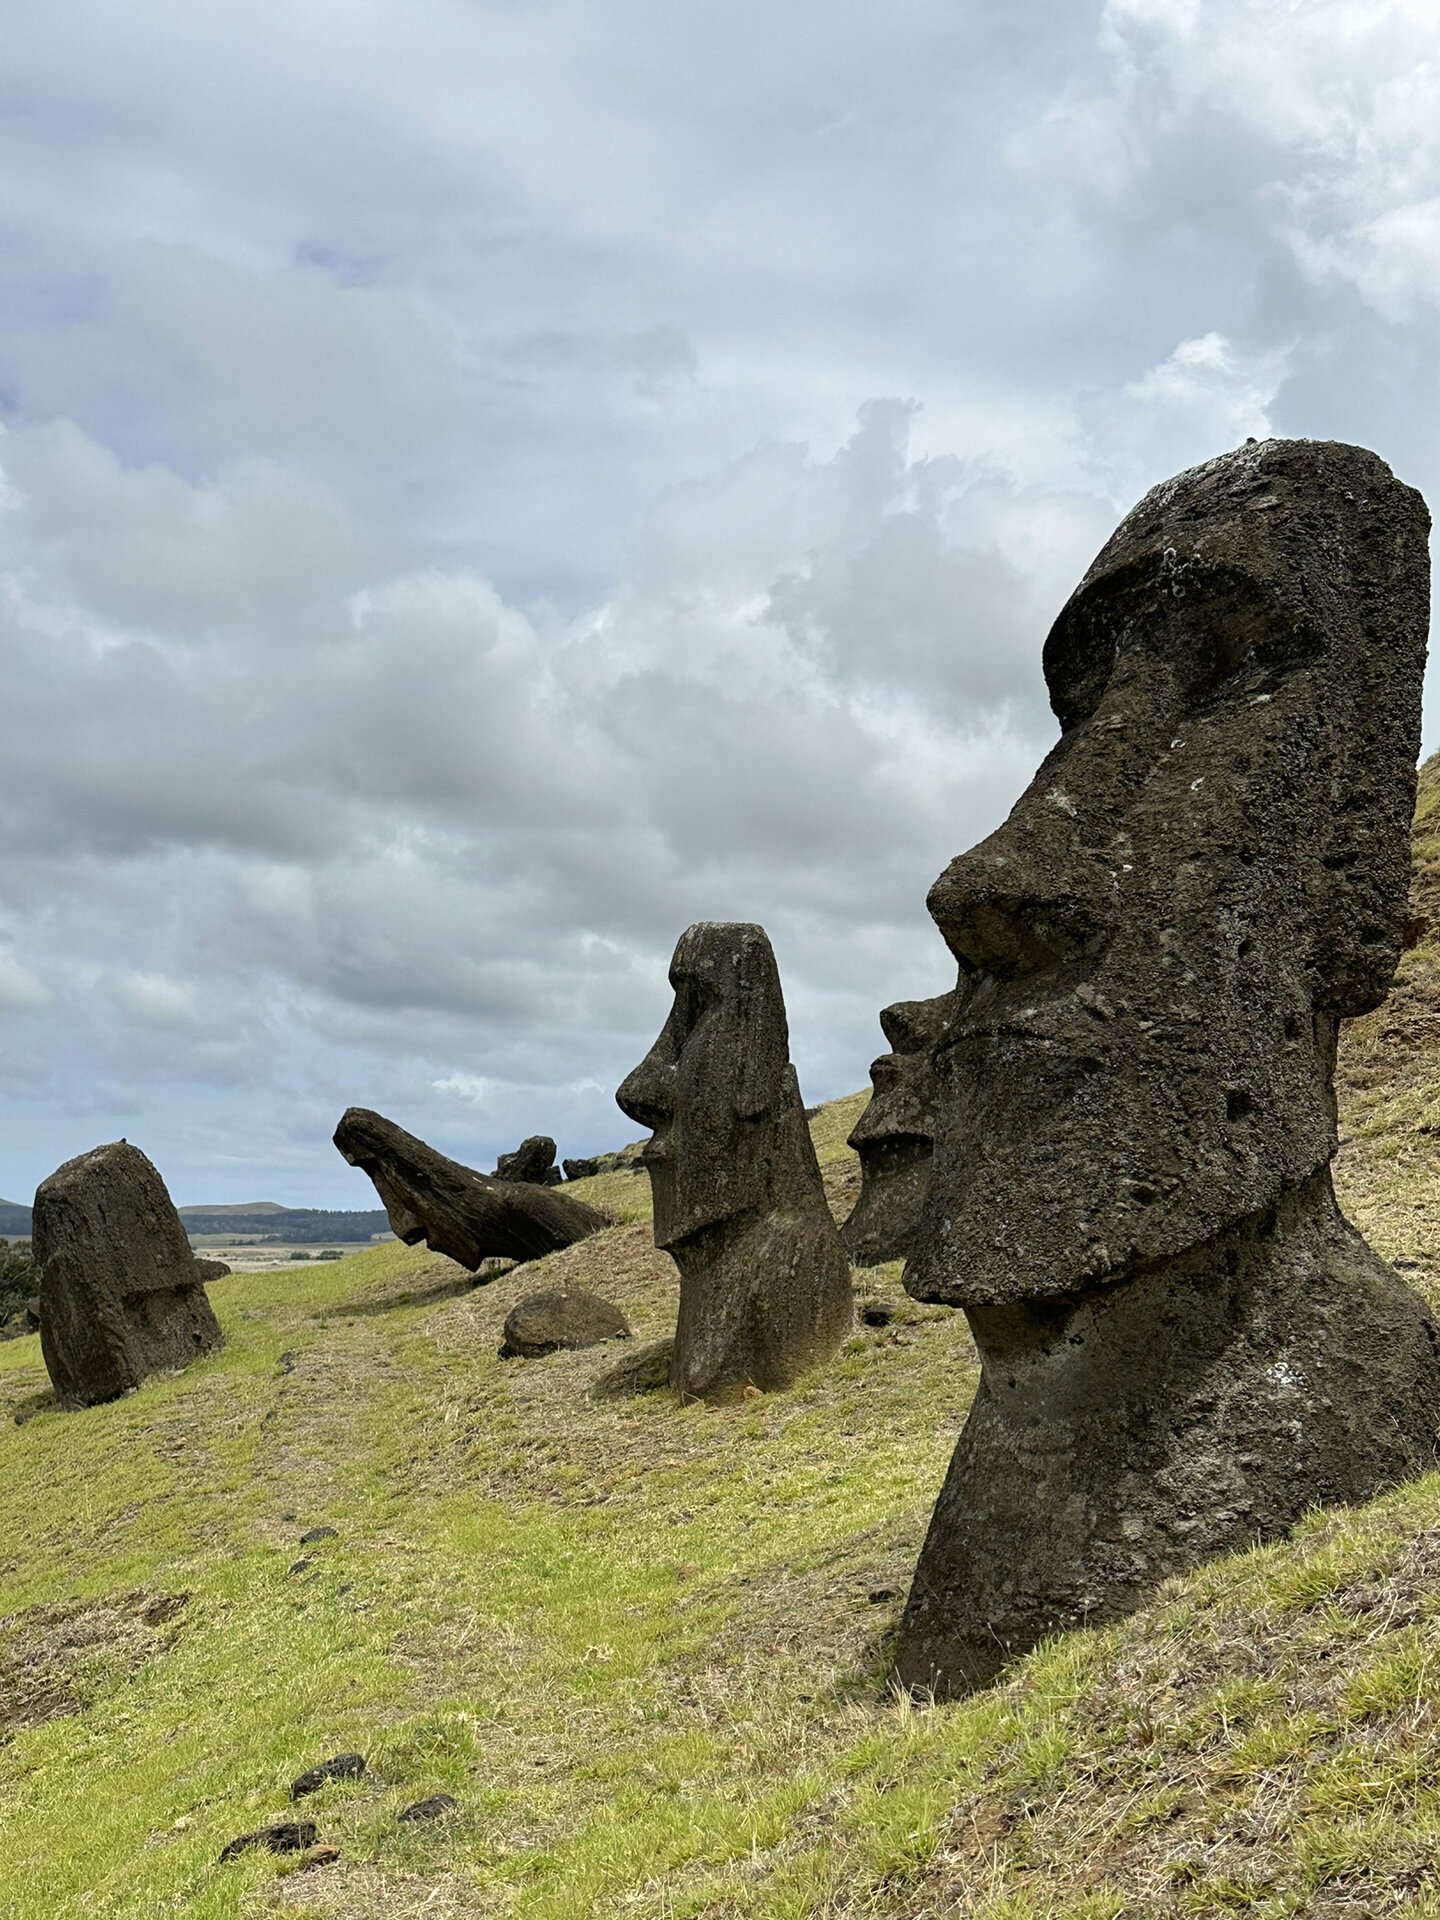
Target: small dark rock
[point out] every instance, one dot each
(580, 1169)
(290, 1836)
(299, 1566)
(876, 1316)
(435, 1808)
(286, 1363)
(318, 1533)
(209, 1270)
(877, 1596)
(565, 1317)
(644, 1371)
(532, 1162)
(342, 1766)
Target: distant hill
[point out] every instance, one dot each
(244, 1206)
(288, 1225)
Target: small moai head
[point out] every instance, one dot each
(717, 1082)
(895, 1135)
(1207, 873)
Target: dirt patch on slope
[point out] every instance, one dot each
(52, 1658)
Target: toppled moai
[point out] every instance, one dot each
(121, 1297)
(1184, 1344)
(533, 1161)
(895, 1135)
(456, 1211)
(764, 1282)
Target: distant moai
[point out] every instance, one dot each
(738, 1200)
(121, 1296)
(895, 1135)
(1184, 1344)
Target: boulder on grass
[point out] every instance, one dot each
(120, 1295)
(645, 1370)
(209, 1270)
(456, 1211)
(567, 1317)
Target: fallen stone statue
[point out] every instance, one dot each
(466, 1215)
(895, 1135)
(121, 1296)
(1184, 1344)
(738, 1200)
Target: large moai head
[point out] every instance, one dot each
(1207, 873)
(715, 1085)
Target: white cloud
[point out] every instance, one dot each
(21, 991)
(156, 999)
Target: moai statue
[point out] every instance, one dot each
(1184, 1344)
(121, 1295)
(764, 1282)
(895, 1135)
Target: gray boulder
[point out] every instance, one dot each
(1184, 1345)
(469, 1216)
(738, 1199)
(563, 1317)
(120, 1297)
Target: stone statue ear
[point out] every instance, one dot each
(764, 1033)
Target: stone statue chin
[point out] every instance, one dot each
(764, 1284)
(1184, 1344)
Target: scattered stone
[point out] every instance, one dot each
(318, 1533)
(877, 1596)
(564, 1317)
(343, 1766)
(319, 1857)
(532, 1162)
(435, 1808)
(1184, 1344)
(895, 1135)
(644, 1371)
(456, 1211)
(299, 1566)
(580, 1169)
(877, 1316)
(286, 1364)
(209, 1270)
(290, 1836)
(739, 1203)
(120, 1296)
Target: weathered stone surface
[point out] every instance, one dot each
(1184, 1345)
(435, 1807)
(533, 1161)
(469, 1216)
(341, 1766)
(895, 1136)
(288, 1836)
(209, 1270)
(120, 1297)
(738, 1200)
(580, 1169)
(562, 1317)
(645, 1370)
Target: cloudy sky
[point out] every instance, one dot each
(489, 482)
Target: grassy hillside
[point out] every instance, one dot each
(644, 1647)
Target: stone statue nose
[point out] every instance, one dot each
(647, 1094)
(1010, 916)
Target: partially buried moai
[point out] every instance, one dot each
(1184, 1343)
(895, 1135)
(764, 1283)
(121, 1296)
